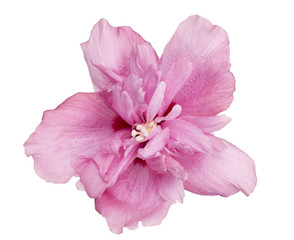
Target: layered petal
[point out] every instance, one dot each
(133, 198)
(156, 101)
(187, 134)
(155, 144)
(107, 54)
(142, 56)
(209, 89)
(175, 79)
(219, 173)
(76, 127)
(97, 174)
(208, 124)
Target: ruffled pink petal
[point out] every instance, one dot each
(187, 134)
(151, 79)
(114, 142)
(208, 124)
(102, 172)
(123, 104)
(133, 87)
(154, 145)
(157, 164)
(174, 113)
(209, 89)
(133, 198)
(175, 168)
(175, 79)
(107, 53)
(76, 127)
(156, 101)
(171, 188)
(220, 173)
(142, 56)
(90, 177)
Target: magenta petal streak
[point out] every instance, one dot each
(147, 132)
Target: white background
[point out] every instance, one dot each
(41, 64)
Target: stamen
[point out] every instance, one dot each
(134, 133)
(142, 131)
(139, 138)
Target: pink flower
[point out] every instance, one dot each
(147, 133)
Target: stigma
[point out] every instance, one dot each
(141, 131)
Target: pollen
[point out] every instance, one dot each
(141, 131)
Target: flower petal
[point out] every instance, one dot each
(175, 79)
(133, 198)
(220, 173)
(151, 79)
(154, 145)
(156, 101)
(171, 188)
(76, 127)
(174, 113)
(157, 164)
(90, 177)
(208, 124)
(188, 135)
(123, 104)
(209, 89)
(142, 56)
(107, 53)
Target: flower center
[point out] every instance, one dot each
(141, 131)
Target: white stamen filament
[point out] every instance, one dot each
(142, 131)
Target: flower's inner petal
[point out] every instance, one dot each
(188, 135)
(176, 77)
(151, 79)
(142, 56)
(155, 102)
(154, 145)
(123, 104)
(174, 113)
(208, 124)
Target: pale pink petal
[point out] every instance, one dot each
(171, 188)
(157, 164)
(208, 124)
(174, 113)
(175, 79)
(151, 79)
(133, 198)
(76, 127)
(102, 172)
(154, 145)
(114, 142)
(209, 89)
(187, 134)
(90, 177)
(111, 166)
(133, 87)
(156, 101)
(142, 56)
(220, 173)
(123, 104)
(107, 53)
(175, 168)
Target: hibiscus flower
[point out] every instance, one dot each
(146, 134)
